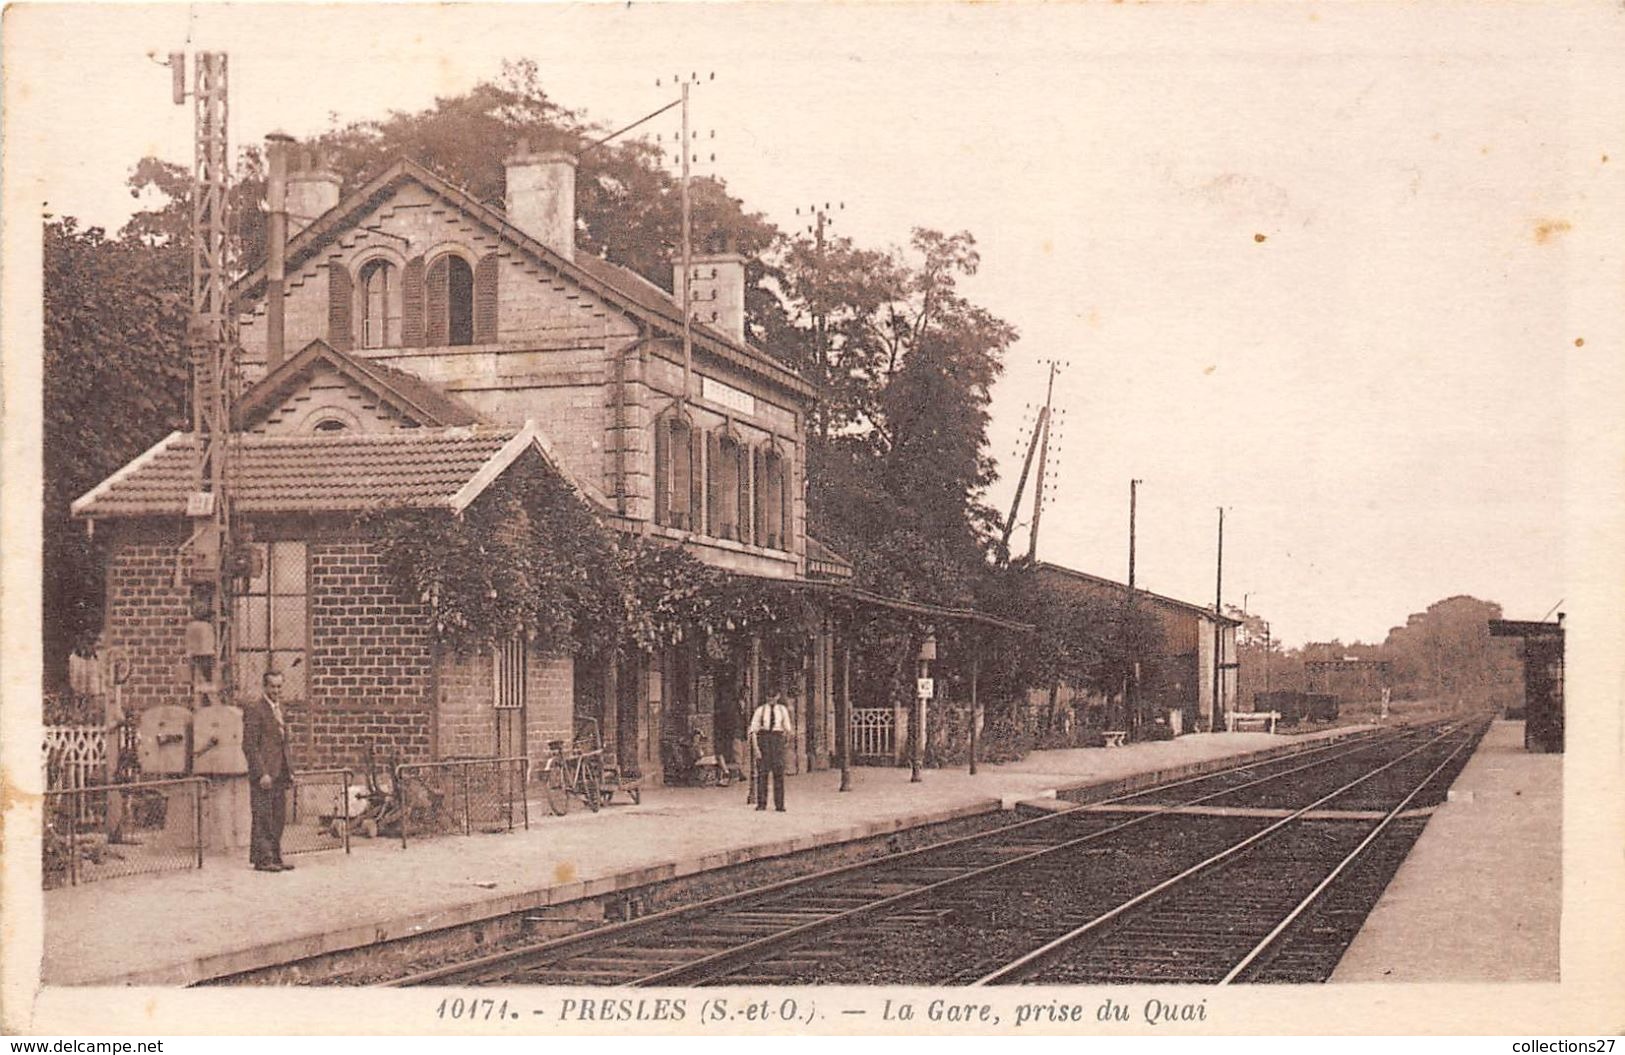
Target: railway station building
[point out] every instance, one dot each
(1177, 684)
(430, 347)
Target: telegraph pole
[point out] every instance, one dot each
(1021, 482)
(1131, 689)
(688, 266)
(685, 155)
(820, 314)
(1217, 634)
(1038, 443)
(1043, 461)
(1133, 494)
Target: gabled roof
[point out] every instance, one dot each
(616, 285)
(1101, 581)
(424, 468)
(412, 397)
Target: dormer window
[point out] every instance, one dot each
(380, 305)
(449, 295)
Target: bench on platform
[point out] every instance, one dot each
(1246, 721)
(1115, 737)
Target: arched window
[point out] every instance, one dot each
(449, 293)
(725, 476)
(331, 425)
(380, 305)
(677, 498)
(773, 495)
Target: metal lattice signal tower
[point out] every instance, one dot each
(212, 343)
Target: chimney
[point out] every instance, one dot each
(719, 292)
(313, 189)
(541, 197)
(276, 207)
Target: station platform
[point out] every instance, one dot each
(1480, 897)
(181, 927)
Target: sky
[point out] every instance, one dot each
(1315, 264)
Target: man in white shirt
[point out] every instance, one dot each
(769, 733)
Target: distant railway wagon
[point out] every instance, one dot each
(1295, 707)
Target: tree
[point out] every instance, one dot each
(1447, 652)
(627, 204)
(898, 459)
(114, 383)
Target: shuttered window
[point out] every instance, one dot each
(772, 501)
(339, 291)
(682, 475)
(412, 304)
(723, 484)
(678, 474)
(742, 499)
(485, 299)
(662, 472)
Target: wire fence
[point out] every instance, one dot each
(461, 796)
(113, 830)
(319, 812)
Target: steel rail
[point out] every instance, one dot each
(556, 949)
(1048, 953)
(727, 960)
(1342, 866)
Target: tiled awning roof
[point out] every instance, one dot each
(445, 468)
(825, 563)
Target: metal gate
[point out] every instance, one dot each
(874, 732)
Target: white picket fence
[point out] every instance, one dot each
(74, 756)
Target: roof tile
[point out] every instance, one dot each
(320, 473)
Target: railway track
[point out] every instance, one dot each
(938, 913)
(1252, 911)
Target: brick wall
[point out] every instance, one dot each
(371, 662)
(338, 736)
(146, 618)
(466, 714)
(550, 710)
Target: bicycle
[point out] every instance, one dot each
(577, 773)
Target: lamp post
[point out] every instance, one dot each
(923, 688)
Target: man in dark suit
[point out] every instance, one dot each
(265, 744)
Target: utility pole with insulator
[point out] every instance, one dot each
(1218, 638)
(685, 155)
(1133, 497)
(1132, 687)
(820, 311)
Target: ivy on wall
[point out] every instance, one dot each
(530, 557)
